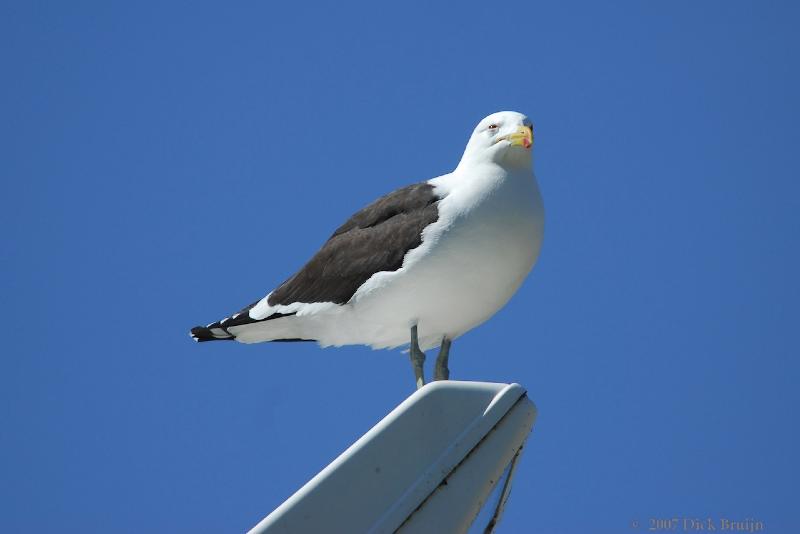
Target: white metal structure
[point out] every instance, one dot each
(428, 466)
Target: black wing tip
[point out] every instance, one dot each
(243, 318)
(203, 333)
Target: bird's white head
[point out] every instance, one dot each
(504, 138)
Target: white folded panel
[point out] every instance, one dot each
(428, 466)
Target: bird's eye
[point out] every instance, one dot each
(492, 126)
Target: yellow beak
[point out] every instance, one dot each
(522, 137)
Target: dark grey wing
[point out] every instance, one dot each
(375, 239)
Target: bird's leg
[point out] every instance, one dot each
(441, 372)
(417, 358)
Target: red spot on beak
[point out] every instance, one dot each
(526, 142)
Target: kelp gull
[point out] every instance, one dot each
(421, 265)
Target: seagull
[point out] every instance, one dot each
(420, 266)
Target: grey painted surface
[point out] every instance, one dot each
(465, 432)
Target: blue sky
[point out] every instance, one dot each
(165, 164)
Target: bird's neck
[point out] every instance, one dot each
(500, 170)
(513, 162)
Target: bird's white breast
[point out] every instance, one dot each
(470, 263)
